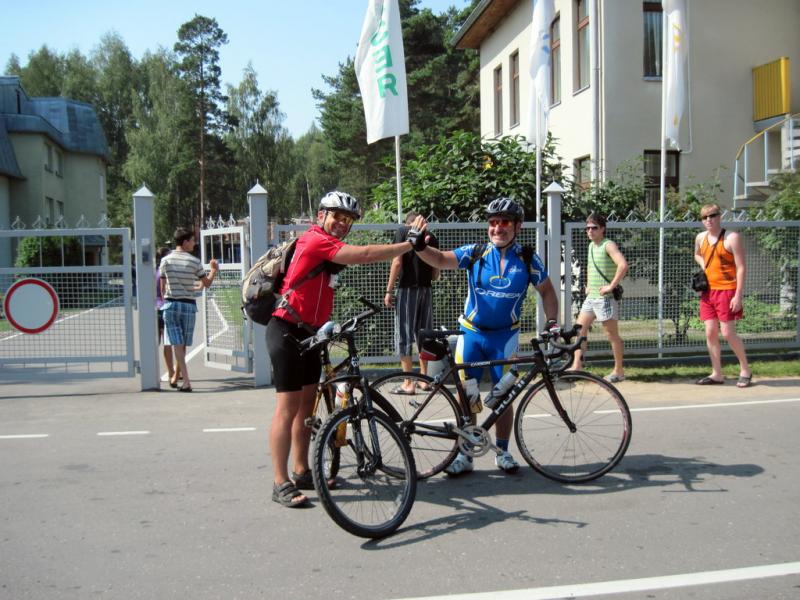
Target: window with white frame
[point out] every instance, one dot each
(555, 60)
(653, 39)
(498, 100)
(581, 45)
(582, 167)
(513, 69)
(652, 176)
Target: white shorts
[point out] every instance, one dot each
(604, 309)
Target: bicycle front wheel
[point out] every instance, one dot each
(433, 445)
(376, 484)
(602, 428)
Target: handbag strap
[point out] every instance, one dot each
(591, 255)
(713, 249)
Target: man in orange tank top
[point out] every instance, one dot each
(721, 305)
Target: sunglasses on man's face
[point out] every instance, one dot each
(500, 222)
(591, 227)
(342, 217)
(711, 216)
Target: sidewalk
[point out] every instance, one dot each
(208, 382)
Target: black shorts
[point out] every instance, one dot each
(291, 371)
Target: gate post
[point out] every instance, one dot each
(554, 191)
(144, 243)
(259, 226)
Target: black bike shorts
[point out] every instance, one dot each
(291, 371)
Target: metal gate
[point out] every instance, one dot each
(91, 331)
(226, 332)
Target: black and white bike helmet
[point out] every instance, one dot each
(342, 202)
(505, 207)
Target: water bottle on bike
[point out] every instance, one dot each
(501, 388)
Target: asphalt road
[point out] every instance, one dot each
(106, 492)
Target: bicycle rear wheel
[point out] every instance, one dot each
(427, 435)
(376, 484)
(603, 428)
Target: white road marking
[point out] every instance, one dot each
(716, 404)
(242, 429)
(228, 429)
(583, 590)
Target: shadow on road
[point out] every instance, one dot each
(470, 497)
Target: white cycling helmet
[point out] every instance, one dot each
(342, 202)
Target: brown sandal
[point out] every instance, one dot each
(285, 494)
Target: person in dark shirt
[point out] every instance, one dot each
(414, 302)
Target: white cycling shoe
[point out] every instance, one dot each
(461, 465)
(506, 462)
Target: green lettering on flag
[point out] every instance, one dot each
(387, 82)
(382, 58)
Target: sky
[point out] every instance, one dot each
(290, 43)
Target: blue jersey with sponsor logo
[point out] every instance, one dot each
(495, 302)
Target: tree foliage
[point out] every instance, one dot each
(197, 47)
(462, 173)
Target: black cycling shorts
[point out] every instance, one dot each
(291, 371)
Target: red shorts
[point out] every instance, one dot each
(716, 304)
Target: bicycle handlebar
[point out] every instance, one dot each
(331, 331)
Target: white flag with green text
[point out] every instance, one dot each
(381, 71)
(675, 63)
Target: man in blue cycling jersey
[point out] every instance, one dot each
(498, 283)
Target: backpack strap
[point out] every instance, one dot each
(714, 249)
(284, 300)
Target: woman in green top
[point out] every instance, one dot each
(606, 267)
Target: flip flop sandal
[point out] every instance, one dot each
(303, 481)
(401, 392)
(708, 381)
(424, 387)
(285, 493)
(744, 381)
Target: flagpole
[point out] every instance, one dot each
(399, 183)
(540, 238)
(662, 201)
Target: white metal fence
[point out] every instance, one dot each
(772, 320)
(227, 335)
(90, 271)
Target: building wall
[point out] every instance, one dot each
(79, 184)
(727, 39)
(720, 86)
(84, 176)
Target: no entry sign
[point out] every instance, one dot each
(31, 305)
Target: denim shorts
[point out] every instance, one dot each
(179, 320)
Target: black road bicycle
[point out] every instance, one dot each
(570, 426)
(363, 467)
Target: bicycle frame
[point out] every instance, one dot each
(537, 359)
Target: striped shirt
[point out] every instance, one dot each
(602, 263)
(181, 270)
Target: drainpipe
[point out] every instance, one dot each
(594, 67)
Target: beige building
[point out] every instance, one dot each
(53, 157)
(606, 83)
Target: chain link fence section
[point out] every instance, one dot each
(377, 342)
(771, 319)
(90, 271)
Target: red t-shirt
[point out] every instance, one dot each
(313, 299)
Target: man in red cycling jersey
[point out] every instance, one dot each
(308, 306)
